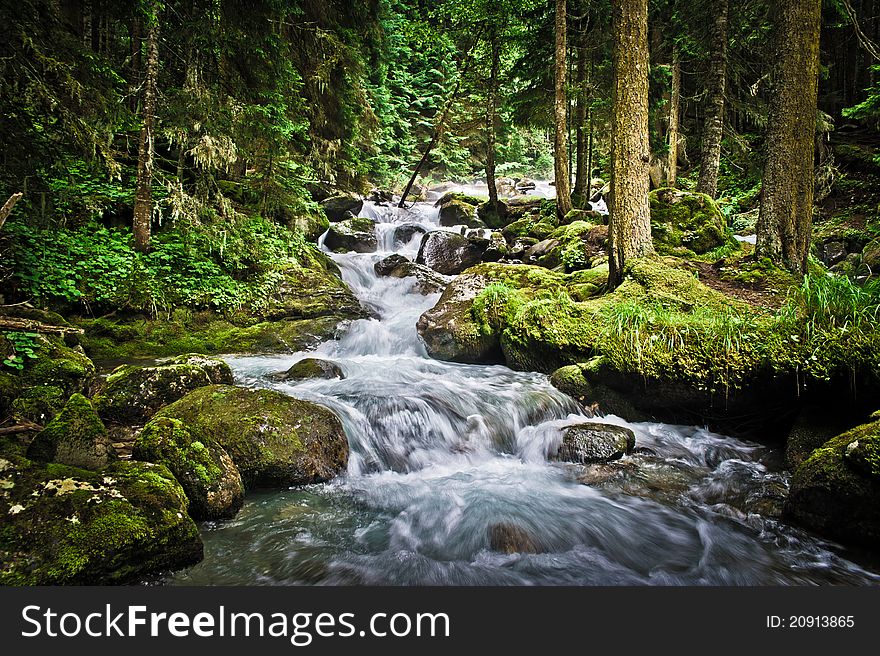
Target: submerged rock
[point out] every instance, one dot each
(836, 491)
(76, 437)
(509, 538)
(273, 439)
(63, 525)
(355, 234)
(594, 442)
(133, 394)
(207, 474)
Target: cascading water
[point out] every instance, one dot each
(441, 452)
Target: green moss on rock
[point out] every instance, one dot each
(63, 525)
(683, 222)
(132, 394)
(76, 437)
(207, 474)
(37, 404)
(836, 491)
(273, 439)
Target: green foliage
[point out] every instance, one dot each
(24, 347)
(226, 265)
(495, 307)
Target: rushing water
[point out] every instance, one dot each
(440, 452)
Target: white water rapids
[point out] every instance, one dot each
(440, 452)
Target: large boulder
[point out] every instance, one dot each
(836, 491)
(132, 394)
(594, 442)
(458, 212)
(356, 234)
(427, 281)
(336, 207)
(63, 525)
(449, 329)
(450, 253)
(207, 474)
(273, 439)
(313, 292)
(683, 221)
(76, 437)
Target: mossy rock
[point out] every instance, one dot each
(451, 196)
(76, 437)
(352, 234)
(310, 368)
(310, 293)
(871, 257)
(217, 369)
(452, 331)
(528, 226)
(494, 217)
(58, 365)
(11, 386)
(836, 491)
(337, 206)
(273, 439)
(458, 212)
(63, 525)
(686, 220)
(310, 223)
(132, 394)
(37, 404)
(207, 474)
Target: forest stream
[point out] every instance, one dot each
(444, 456)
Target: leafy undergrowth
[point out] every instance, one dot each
(96, 269)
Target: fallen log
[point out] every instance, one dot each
(29, 325)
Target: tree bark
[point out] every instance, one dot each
(713, 124)
(143, 200)
(629, 231)
(6, 210)
(785, 218)
(582, 175)
(560, 144)
(490, 117)
(674, 100)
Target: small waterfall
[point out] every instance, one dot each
(441, 452)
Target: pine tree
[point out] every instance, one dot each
(629, 228)
(785, 219)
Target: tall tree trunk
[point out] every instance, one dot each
(560, 143)
(629, 231)
(785, 218)
(143, 198)
(582, 175)
(674, 101)
(490, 118)
(713, 125)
